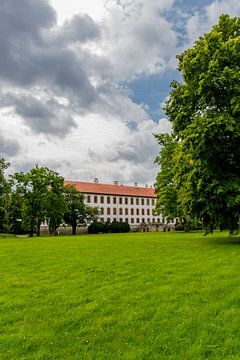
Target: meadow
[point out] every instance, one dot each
(120, 296)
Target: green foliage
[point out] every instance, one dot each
(97, 228)
(77, 212)
(40, 195)
(205, 114)
(114, 227)
(4, 196)
(119, 227)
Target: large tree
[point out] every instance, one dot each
(4, 195)
(77, 212)
(41, 191)
(205, 113)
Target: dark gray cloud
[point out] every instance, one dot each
(45, 116)
(8, 147)
(37, 53)
(80, 28)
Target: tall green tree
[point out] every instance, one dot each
(77, 212)
(39, 190)
(56, 205)
(205, 113)
(4, 195)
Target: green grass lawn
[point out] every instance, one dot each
(128, 296)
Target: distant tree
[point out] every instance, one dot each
(56, 205)
(77, 212)
(165, 186)
(39, 189)
(205, 113)
(4, 195)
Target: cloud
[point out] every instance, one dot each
(202, 21)
(61, 87)
(144, 41)
(8, 147)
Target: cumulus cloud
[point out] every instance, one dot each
(202, 21)
(8, 147)
(65, 81)
(138, 38)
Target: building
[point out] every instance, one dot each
(132, 204)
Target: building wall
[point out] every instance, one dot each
(134, 210)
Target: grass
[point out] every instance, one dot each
(129, 296)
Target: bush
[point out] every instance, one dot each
(119, 227)
(97, 227)
(114, 227)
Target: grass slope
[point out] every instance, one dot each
(129, 296)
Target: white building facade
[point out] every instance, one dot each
(131, 204)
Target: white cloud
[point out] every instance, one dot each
(62, 105)
(203, 21)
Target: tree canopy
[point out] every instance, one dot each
(205, 113)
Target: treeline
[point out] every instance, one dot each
(27, 199)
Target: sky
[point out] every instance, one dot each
(83, 82)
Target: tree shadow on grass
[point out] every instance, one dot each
(230, 240)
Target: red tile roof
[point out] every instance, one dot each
(107, 189)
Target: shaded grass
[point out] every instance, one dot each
(120, 296)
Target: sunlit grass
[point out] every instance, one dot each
(127, 296)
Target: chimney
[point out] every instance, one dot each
(135, 184)
(146, 185)
(116, 182)
(95, 180)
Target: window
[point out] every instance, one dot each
(120, 211)
(114, 200)
(114, 219)
(153, 202)
(121, 220)
(143, 212)
(108, 220)
(120, 200)
(142, 201)
(158, 220)
(89, 198)
(132, 202)
(153, 220)
(102, 211)
(148, 202)
(126, 220)
(126, 201)
(95, 199)
(137, 211)
(148, 211)
(108, 211)
(114, 211)
(132, 221)
(138, 221)
(102, 220)
(132, 211)
(126, 211)
(148, 220)
(137, 201)
(108, 200)
(143, 220)
(102, 199)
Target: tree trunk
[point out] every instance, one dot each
(38, 229)
(74, 229)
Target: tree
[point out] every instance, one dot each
(165, 186)
(76, 211)
(205, 113)
(39, 190)
(4, 195)
(56, 205)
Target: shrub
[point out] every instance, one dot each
(97, 227)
